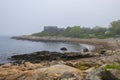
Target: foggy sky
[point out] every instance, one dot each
(18, 17)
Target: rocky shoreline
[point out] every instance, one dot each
(109, 44)
(102, 64)
(42, 56)
(68, 66)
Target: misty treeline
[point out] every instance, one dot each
(83, 32)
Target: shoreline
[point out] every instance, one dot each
(45, 65)
(75, 66)
(109, 44)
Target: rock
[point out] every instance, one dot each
(29, 75)
(14, 67)
(85, 50)
(8, 72)
(68, 76)
(70, 64)
(111, 74)
(21, 76)
(58, 72)
(89, 70)
(63, 49)
(109, 52)
(41, 56)
(38, 66)
(94, 74)
(55, 72)
(6, 65)
(29, 65)
(103, 51)
(22, 67)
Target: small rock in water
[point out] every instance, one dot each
(85, 50)
(63, 49)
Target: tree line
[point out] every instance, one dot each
(83, 32)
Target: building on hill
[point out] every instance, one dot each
(53, 29)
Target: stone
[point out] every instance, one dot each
(85, 50)
(29, 65)
(42, 56)
(89, 70)
(59, 70)
(111, 74)
(109, 52)
(94, 74)
(6, 65)
(14, 67)
(14, 76)
(63, 49)
(103, 51)
(68, 76)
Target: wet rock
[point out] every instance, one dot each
(85, 50)
(63, 49)
(37, 57)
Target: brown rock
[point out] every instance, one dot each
(14, 67)
(14, 76)
(58, 70)
(22, 67)
(7, 65)
(29, 65)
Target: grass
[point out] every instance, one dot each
(83, 66)
(112, 66)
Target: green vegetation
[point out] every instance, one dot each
(112, 66)
(81, 32)
(83, 66)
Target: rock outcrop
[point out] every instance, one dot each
(22, 72)
(61, 68)
(29, 71)
(111, 74)
(37, 57)
(59, 72)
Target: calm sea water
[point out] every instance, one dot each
(9, 47)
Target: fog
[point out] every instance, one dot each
(19, 17)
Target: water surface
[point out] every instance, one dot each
(9, 47)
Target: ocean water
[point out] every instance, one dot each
(9, 47)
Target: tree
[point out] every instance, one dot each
(115, 28)
(99, 31)
(75, 31)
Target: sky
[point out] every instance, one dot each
(23, 17)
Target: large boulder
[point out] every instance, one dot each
(59, 72)
(55, 72)
(111, 74)
(94, 74)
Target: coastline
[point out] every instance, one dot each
(72, 68)
(45, 65)
(109, 44)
